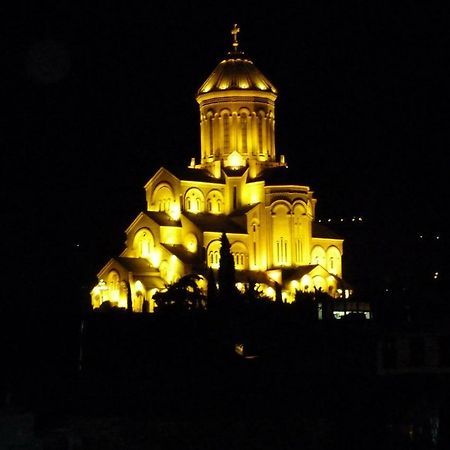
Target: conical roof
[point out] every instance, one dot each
(236, 72)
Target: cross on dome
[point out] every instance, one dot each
(234, 31)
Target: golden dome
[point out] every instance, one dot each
(236, 72)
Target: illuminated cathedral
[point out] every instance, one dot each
(238, 186)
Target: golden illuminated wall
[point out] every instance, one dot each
(277, 233)
(277, 222)
(238, 122)
(198, 197)
(237, 130)
(162, 193)
(142, 237)
(328, 253)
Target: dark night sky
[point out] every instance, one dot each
(106, 95)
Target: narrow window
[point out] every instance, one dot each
(244, 132)
(211, 146)
(226, 133)
(260, 134)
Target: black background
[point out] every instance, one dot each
(103, 95)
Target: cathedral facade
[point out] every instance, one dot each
(238, 186)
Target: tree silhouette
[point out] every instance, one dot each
(129, 299)
(212, 294)
(306, 306)
(183, 295)
(227, 272)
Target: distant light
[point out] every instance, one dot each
(437, 237)
(320, 220)
(386, 290)
(360, 219)
(436, 274)
(420, 236)
(329, 220)
(342, 220)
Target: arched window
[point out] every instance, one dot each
(333, 257)
(214, 259)
(213, 251)
(239, 252)
(214, 201)
(226, 133)
(281, 234)
(260, 132)
(318, 256)
(239, 260)
(163, 197)
(194, 200)
(244, 132)
(113, 284)
(143, 243)
(211, 133)
(299, 221)
(319, 283)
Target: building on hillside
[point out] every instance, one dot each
(238, 186)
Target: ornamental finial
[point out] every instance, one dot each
(235, 30)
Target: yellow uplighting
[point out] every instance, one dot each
(235, 160)
(306, 283)
(271, 226)
(175, 211)
(270, 292)
(223, 85)
(155, 257)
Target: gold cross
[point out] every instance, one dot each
(234, 32)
